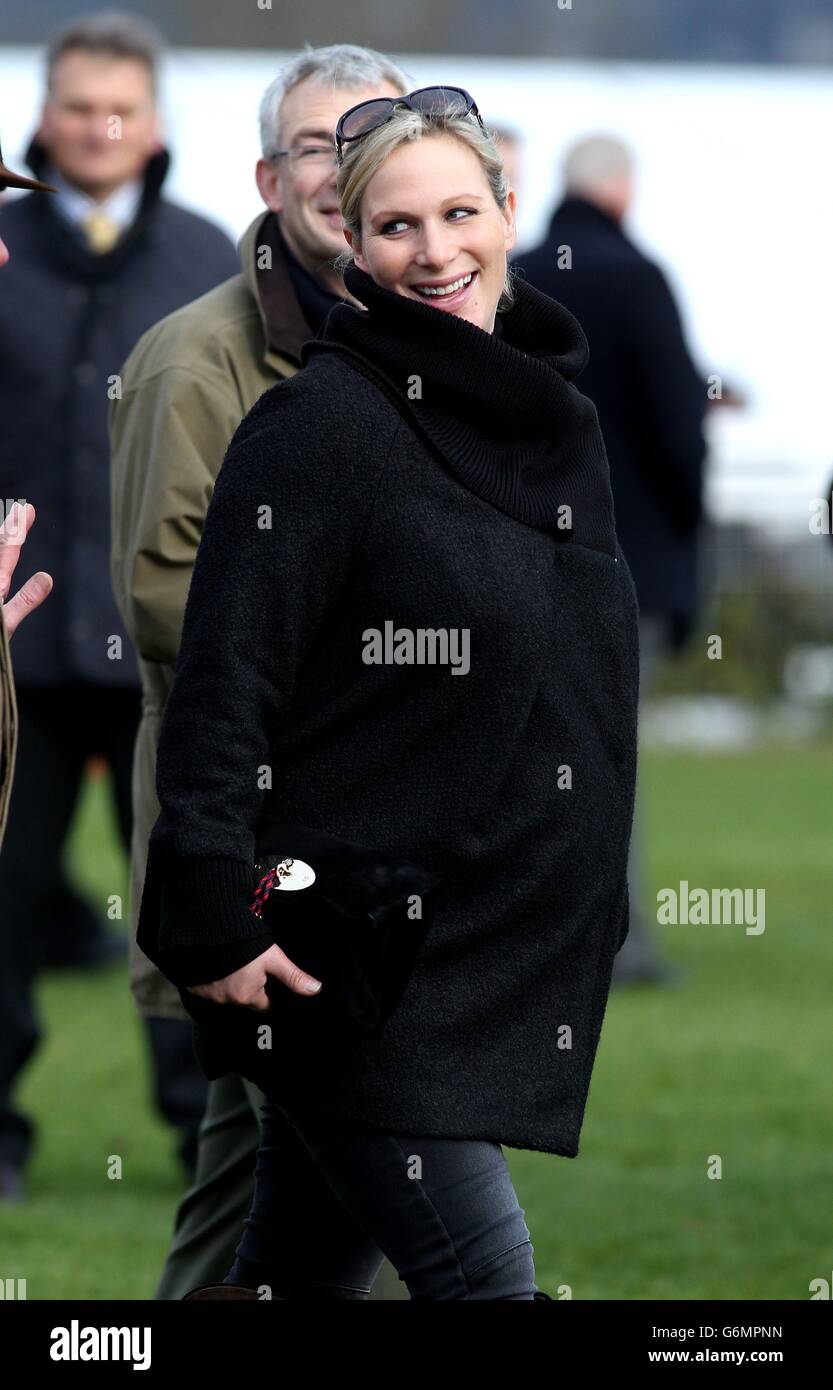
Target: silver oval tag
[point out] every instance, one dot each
(297, 875)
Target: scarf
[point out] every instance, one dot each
(499, 409)
(315, 299)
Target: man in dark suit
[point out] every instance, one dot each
(94, 265)
(14, 524)
(651, 401)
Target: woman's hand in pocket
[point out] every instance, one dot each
(247, 986)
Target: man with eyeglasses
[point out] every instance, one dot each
(186, 387)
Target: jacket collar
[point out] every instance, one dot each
(499, 408)
(121, 205)
(70, 248)
(153, 177)
(285, 329)
(574, 207)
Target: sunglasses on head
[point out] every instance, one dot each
(429, 101)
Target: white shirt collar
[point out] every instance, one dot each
(121, 206)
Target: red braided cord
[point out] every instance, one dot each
(262, 892)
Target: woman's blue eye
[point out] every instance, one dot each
(389, 226)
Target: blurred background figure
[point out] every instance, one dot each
(14, 524)
(93, 267)
(510, 148)
(651, 401)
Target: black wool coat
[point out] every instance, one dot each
(650, 397)
(416, 473)
(68, 320)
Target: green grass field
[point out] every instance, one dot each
(733, 1063)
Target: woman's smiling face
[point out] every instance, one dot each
(430, 221)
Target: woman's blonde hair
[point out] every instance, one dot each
(363, 157)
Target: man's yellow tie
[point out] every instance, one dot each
(102, 232)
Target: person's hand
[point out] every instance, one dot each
(247, 986)
(13, 534)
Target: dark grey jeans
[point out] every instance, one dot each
(333, 1198)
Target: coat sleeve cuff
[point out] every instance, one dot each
(207, 929)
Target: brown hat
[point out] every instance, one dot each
(8, 179)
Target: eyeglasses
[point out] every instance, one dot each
(308, 156)
(429, 101)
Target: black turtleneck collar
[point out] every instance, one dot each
(498, 407)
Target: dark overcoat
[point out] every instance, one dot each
(650, 397)
(68, 319)
(417, 473)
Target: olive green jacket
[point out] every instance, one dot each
(185, 388)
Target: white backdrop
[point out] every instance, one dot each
(735, 199)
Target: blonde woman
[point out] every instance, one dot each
(433, 469)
